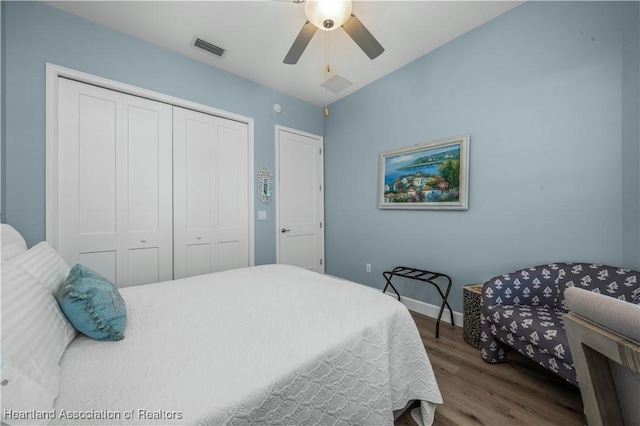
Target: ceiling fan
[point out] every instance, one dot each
(328, 15)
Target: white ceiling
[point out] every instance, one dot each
(258, 34)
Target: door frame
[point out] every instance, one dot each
(277, 186)
(53, 72)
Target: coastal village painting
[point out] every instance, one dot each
(432, 175)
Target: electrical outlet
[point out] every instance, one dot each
(367, 267)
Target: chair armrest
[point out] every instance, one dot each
(620, 317)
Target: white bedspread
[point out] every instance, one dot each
(269, 345)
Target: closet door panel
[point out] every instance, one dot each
(96, 165)
(114, 183)
(144, 170)
(198, 183)
(198, 259)
(230, 255)
(104, 262)
(194, 151)
(229, 215)
(148, 245)
(210, 193)
(231, 229)
(147, 266)
(87, 176)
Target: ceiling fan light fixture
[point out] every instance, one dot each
(328, 15)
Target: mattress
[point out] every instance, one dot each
(271, 344)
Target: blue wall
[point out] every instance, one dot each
(549, 93)
(2, 110)
(36, 34)
(630, 137)
(543, 91)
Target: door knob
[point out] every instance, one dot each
(285, 230)
(143, 240)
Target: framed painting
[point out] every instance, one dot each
(433, 175)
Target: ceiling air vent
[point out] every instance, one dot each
(336, 83)
(208, 47)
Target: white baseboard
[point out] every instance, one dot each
(428, 309)
(419, 306)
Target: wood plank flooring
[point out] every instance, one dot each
(476, 393)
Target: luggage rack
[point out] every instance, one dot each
(424, 276)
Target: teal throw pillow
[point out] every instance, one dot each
(93, 304)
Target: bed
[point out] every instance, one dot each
(271, 344)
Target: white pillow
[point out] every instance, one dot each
(45, 264)
(12, 242)
(35, 334)
(22, 394)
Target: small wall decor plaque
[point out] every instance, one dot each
(433, 175)
(264, 187)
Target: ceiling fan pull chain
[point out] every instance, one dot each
(326, 54)
(325, 112)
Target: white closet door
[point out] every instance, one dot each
(114, 183)
(211, 196)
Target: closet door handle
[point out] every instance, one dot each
(143, 240)
(199, 237)
(285, 230)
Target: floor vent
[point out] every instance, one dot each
(208, 47)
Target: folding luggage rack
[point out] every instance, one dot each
(424, 276)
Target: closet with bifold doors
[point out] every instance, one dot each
(147, 191)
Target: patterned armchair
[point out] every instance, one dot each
(524, 310)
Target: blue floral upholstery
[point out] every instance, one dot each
(524, 310)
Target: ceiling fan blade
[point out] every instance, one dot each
(363, 38)
(300, 43)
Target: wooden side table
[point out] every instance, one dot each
(471, 295)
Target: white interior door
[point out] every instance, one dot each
(211, 193)
(114, 183)
(300, 199)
